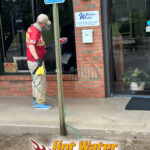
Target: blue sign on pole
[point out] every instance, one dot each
(53, 1)
(148, 23)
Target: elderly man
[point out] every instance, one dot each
(36, 50)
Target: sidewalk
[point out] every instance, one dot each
(100, 117)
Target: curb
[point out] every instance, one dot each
(96, 133)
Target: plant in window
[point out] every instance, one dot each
(135, 77)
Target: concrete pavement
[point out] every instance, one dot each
(97, 117)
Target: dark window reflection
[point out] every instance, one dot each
(131, 43)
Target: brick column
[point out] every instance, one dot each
(90, 63)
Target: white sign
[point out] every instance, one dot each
(87, 18)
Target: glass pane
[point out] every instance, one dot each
(66, 30)
(131, 43)
(16, 18)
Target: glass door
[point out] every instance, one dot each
(131, 43)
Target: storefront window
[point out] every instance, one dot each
(131, 46)
(17, 16)
(66, 21)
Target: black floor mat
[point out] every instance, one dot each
(137, 103)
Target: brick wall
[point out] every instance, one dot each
(89, 81)
(90, 61)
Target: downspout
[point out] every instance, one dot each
(106, 45)
(2, 52)
(2, 36)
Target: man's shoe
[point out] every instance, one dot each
(40, 106)
(34, 101)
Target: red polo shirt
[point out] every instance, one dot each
(34, 37)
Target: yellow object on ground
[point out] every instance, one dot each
(40, 71)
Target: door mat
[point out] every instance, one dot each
(137, 103)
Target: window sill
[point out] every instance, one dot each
(27, 77)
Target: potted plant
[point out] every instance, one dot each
(136, 79)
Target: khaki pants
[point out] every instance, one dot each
(38, 83)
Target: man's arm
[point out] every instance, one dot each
(34, 54)
(33, 51)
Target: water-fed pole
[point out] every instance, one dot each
(59, 70)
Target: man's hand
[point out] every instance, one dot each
(49, 48)
(39, 62)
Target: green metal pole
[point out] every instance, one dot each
(59, 69)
